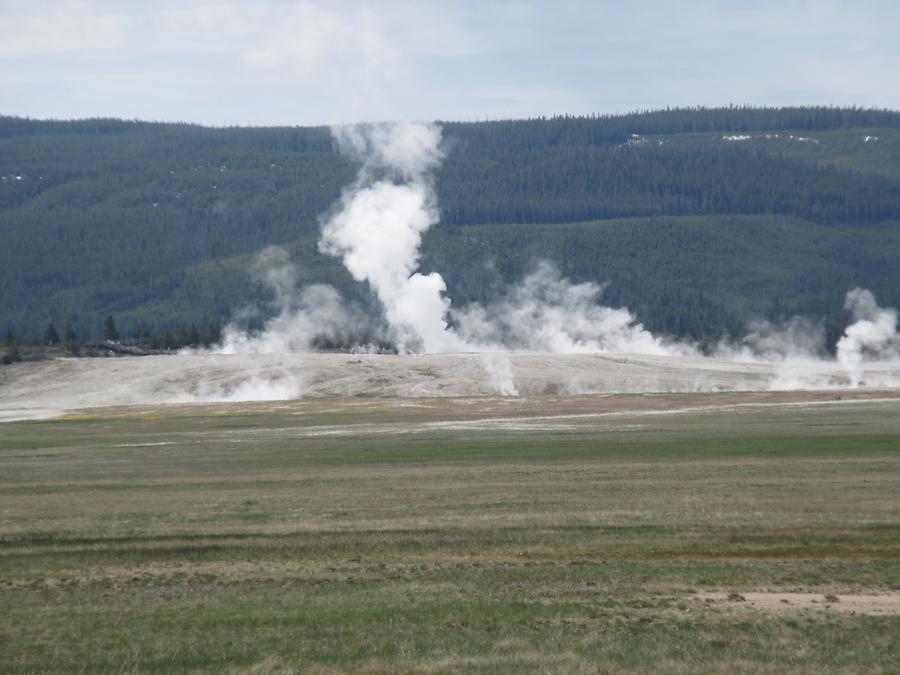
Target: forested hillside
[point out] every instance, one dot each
(698, 219)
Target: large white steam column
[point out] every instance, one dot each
(378, 228)
(874, 331)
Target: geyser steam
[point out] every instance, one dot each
(873, 333)
(547, 313)
(315, 312)
(378, 229)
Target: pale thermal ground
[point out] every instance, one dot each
(57, 387)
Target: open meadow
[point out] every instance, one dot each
(681, 532)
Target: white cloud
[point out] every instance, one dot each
(30, 30)
(311, 61)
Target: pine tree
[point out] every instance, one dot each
(51, 337)
(109, 329)
(213, 333)
(69, 339)
(68, 333)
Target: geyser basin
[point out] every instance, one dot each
(43, 389)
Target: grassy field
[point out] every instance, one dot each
(465, 535)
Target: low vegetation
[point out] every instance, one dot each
(346, 536)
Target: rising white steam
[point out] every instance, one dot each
(798, 349)
(546, 313)
(873, 334)
(249, 386)
(378, 228)
(304, 315)
(498, 367)
(797, 338)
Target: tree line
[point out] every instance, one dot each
(17, 346)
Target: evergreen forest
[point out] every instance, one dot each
(698, 220)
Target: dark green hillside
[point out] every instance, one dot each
(698, 219)
(688, 275)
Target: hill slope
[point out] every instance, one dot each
(698, 219)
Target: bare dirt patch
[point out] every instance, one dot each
(881, 604)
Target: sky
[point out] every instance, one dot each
(309, 62)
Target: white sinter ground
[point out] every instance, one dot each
(50, 388)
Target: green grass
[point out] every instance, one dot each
(249, 542)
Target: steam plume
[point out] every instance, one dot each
(313, 313)
(547, 313)
(499, 369)
(378, 228)
(873, 333)
(797, 338)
